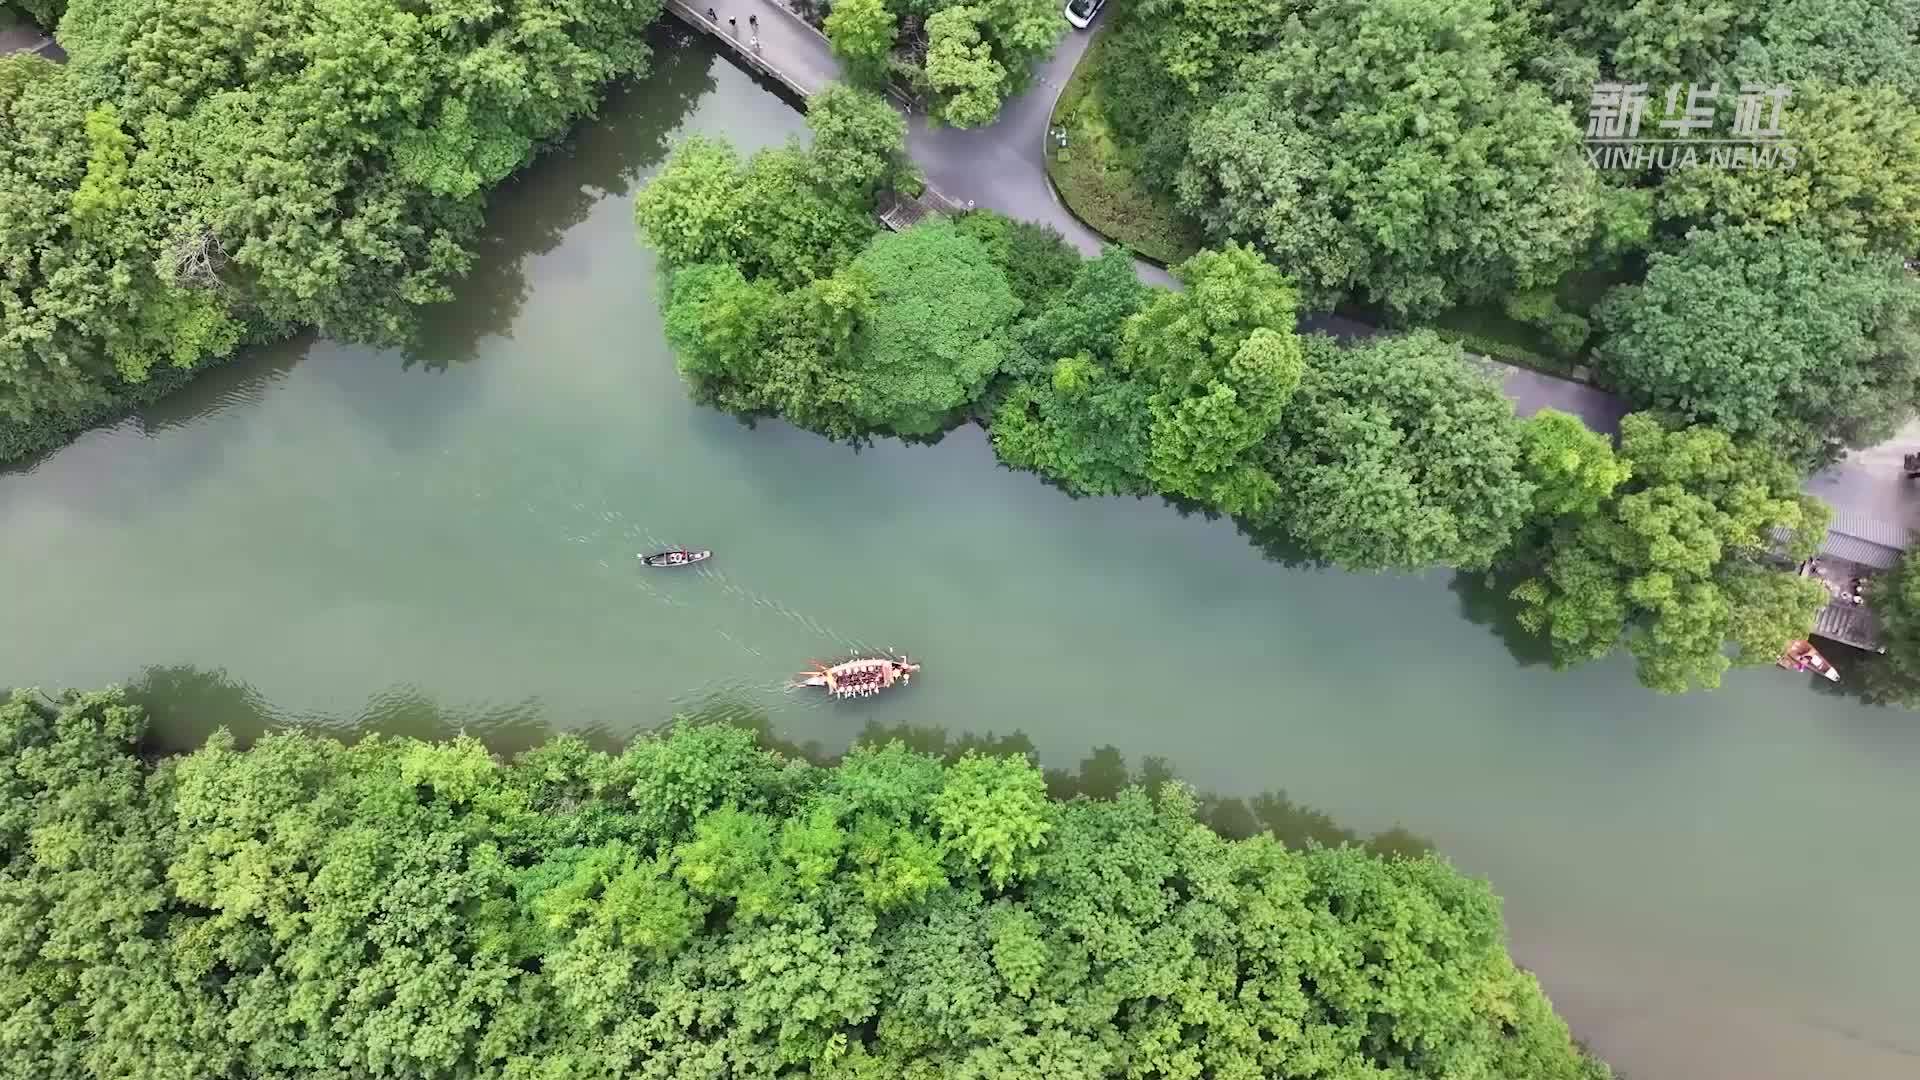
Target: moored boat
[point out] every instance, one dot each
(676, 557)
(1802, 656)
(860, 677)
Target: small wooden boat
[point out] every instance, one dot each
(676, 557)
(1802, 656)
(859, 677)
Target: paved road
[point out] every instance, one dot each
(1870, 493)
(29, 38)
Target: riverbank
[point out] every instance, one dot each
(697, 905)
(375, 192)
(347, 539)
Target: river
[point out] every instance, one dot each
(350, 539)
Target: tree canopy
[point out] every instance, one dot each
(1222, 358)
(695, 906)
(1676, 562)
(203, 172)
(1396, 454)
(964, 56)
(1072, 414)
(935, 330)
(1380, 149)
(1857, 188)
(1778, 338)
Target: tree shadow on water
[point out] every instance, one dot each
(1485, 600)
(530, 213)
(1276, 546)
(185, 704)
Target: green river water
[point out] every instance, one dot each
(1714, 886)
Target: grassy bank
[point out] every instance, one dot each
(1094, 176)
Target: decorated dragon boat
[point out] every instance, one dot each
(859, 677)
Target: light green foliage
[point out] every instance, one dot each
(720, 326)
(1382, 149)
(1856, 184)
(1022, 32)
(775, 217)
(1894, 598)
(859, 143)
(1776, 338)
(935, 328)
(966, 79)
(1572, 468)
(994, 813)
(698, 907)
(1675, 562)
(862, 33)
(1223, 360)
(1397, 454)
(692, 211)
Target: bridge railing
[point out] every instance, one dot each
(697, 19)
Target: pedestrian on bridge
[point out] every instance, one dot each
(713, 18)
(754, 21)
(733, 24)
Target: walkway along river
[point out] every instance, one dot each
(1712, 888)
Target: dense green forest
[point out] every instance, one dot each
(1423, 159)
(1398, 453)
(697, 906)
(205, 173)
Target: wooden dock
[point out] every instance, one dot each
(901, 212)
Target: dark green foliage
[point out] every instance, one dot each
(1381, 150)
(44, 12)
(966, 55)
(1675, 562)
(698, 907)
(1397, 454)
(1894, 598)
(1777, 338)
(1037, 261)
(764, 309)
(1071, 415)
(206, 171)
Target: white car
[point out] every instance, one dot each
(1081, 12)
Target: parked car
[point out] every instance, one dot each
(1081, 12)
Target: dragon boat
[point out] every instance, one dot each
(859, 677)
